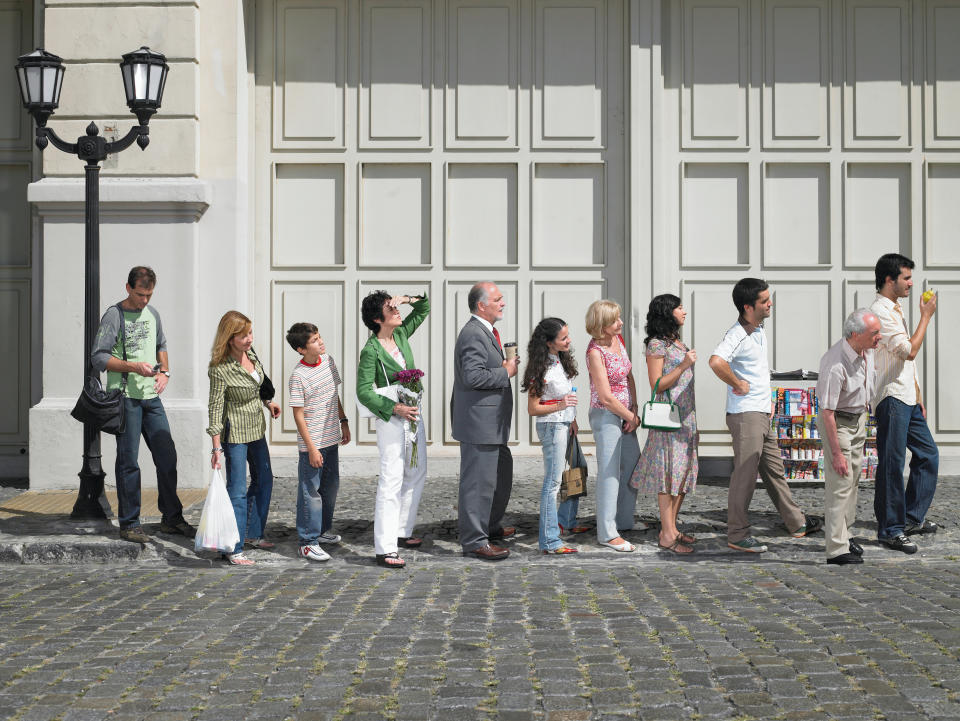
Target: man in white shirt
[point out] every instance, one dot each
(843, 389)
(901, 415)
(741, 362)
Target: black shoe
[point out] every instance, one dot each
(855, 548)
(811, 524)
(899, 543)
(845, 558)
(923, 528)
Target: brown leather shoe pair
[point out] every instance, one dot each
(504, 532)
(488, 552)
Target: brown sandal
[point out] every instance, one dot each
(677, 546)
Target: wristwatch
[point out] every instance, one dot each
(166, 373)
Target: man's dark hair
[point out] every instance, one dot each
(299, 335)
(889, 266)
(371, 309)
(746, 292)
(142, 275)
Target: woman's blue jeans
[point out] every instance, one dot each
(553, 439)
(617, 456)
(250, 505)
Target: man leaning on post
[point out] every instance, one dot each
(140, 362)
(844, 384)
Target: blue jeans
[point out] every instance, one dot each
(317, 494)
(899, 427)
(553, 437)
(250, 505)
(146, 417)
(617, 456)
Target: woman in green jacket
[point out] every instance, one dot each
(402, 472)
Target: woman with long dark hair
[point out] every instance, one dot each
(552, 400)
(668, 465)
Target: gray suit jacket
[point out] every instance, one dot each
(482, 401)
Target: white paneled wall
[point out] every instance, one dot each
(797, 141)
(424, 145)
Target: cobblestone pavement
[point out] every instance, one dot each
(599, 635)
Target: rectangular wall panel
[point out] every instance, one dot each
(942, 89)
(570, 67)
(320, 303)
(877, 212)
(797, 74)
(715, 73)
(455, 313)
(481, 227)
(796, 214)
(394, 215)
(14, 216)
(710, 313)
(308, 215)
(569, 302)
(419, 343)
(942, 238)
(877, 75)
(396, 74)
(798, 330)
(937, 380)
(309, 80)
(14, 360)
(482, 74)
(568, 215)
(11, 111)
(714, 215)
(856, 294)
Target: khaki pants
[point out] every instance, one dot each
(840, 492)
(755, 449)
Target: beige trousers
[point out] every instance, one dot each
(840, 492)
(755, 449)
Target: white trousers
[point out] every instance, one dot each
(399, 486)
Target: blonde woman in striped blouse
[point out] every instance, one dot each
(238, 429)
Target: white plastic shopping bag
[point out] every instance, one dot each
(218, 524)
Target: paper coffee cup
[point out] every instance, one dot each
(509, 350)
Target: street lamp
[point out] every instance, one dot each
(40, 76)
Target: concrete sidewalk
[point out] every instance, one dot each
(35, 528)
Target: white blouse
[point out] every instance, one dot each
(555, 386)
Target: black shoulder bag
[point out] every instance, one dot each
(104, 409)
(267, 391)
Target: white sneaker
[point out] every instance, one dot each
(328, 538)
(313, 552)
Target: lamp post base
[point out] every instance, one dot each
(91, 503)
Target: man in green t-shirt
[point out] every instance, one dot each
(136, 360)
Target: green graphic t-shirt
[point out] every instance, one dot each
(140, 328)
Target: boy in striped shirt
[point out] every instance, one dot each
(321, 429)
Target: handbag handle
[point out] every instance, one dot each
(656, 387)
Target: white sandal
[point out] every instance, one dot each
(238, 559)
(625, 547)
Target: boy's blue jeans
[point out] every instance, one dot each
(317, 494)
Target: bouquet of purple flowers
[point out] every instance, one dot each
(409, 393)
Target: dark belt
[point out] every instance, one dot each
(847, 416)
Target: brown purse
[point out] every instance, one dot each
(573, 480)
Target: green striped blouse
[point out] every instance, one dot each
(235, 397)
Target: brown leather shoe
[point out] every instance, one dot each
(504, 532)
(488, 553)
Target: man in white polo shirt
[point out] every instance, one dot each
(741, 362)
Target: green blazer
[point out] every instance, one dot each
(369, 371)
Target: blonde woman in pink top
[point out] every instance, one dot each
(613, 419)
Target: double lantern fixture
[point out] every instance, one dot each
(40, 75)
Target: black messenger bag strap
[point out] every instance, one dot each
(123, 349)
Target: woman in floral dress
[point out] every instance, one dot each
(668, 465)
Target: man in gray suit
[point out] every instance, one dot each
(482, 408)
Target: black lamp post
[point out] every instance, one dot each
(40, 75)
